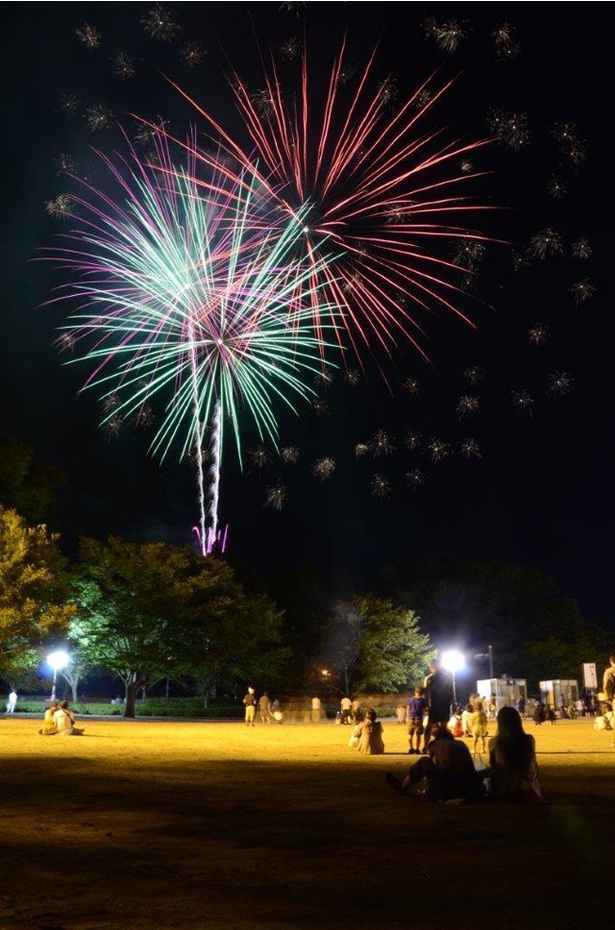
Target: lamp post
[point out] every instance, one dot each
(453, 661)
(487, 655)
(57, 660)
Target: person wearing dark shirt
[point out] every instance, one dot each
(438, 690)
(417, 707)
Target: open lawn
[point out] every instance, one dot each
(147, 824)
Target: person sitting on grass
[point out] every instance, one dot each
(369, 732)
(448, 771)
(513, 769)
(65, 721)
(49, 727)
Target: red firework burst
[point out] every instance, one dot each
(384, 193)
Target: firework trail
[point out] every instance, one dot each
(187, 295)
(388, 194)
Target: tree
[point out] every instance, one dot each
(146, 609)
(125, 594)
(26, 485)
(33, 588)
(373, 644)
(517, 609)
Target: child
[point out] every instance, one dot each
(415, 713)
(477, 722)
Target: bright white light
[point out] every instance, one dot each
(58, 660)
(453, 661)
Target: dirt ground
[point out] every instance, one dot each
(145, 824)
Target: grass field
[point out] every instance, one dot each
(147, 824)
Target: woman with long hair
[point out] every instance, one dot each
(512, 758)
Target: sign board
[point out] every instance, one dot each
(589, 675)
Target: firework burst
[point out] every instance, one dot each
(349, 166)
(188, 299)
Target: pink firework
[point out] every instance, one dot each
(355, 164)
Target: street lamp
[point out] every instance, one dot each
(453, 661)
(57, 660)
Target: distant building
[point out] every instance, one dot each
(507, 690)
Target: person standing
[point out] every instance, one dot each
(477, 722)
(249, 703)
(346, 708)
(438, 692)
(415, 713)
(608, 687)
(264, 708)
(11, 702)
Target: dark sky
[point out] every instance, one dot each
(541, 494)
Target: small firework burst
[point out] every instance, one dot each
(538, 334)
(192, 54)
(110, 403)
(581, 249)
(423, 99)
(582, 290)
(112, 426)
(361, 450)
(558, 383)
(381, 487)
(437, 449)
(323, 380)
(147, 133)
(519, 260)
(413, 440)
(411, 386)
(144, 417)
(64, 165)
(60, 207)
(352, 377)
(352, 283)
(290, 49)
(415, 479)
(277, 495)
(89, 36)
(260, 457)
(473, 374)
(467, 405)
(381, 444)
(323, 468)
(468, 253)
(66, 342)
(396, 215)
(159, 25)
(69, 104)
(98, 117)
(291, 7)
(507, 45)
(319, 407)
(345, 75)
(263, 102)
(470, 449)
(123, 66)
(448, 34)
(557, 188)
(511, 129)
(523, 401)
(388, 91)
(545, 244)
(571, 146)
(290, 455)
(466, 166)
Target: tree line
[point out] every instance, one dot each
(147, 611)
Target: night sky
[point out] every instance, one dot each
(541, 493)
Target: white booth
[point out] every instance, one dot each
(507, 690)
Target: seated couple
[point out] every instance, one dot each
(59, 719)
(450, 774)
